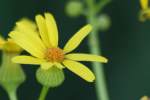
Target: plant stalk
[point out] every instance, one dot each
(44, 92)
(100, 85)
(12, 95)
(94, 45)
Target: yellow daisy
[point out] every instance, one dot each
(9, 46)
(144, 4)
(42, 44)
(145, 12)
(2, 42)
(145, 98)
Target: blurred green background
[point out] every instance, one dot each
(126, 44)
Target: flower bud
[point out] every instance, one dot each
(74, 8)
(11, 74)
(52, 77)
(103, 22)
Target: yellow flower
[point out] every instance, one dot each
(9, 46)
(145, 98)
(145, 12)
(144, 4)
(2, 41)
(43, 46)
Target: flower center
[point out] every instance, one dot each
(54, 55)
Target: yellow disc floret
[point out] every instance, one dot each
(54, 55)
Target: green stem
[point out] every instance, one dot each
(101, 89)
(8, 81)
(101, 5)
(90, 3)
(12, 95)
(100, 85)
(43, 93)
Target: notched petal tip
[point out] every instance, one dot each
(48, 13)
(89, 26)
(92, 80)
(105, 60)
(38, 15)
(80, 70)
(52, 29)
(10, 33)
(86, 57)
(77, 38)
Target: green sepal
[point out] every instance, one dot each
(11, 74)
(51, 77)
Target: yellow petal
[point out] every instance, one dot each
(27, 60)
(58, 65)
(144, 98)
(52, 29)
(77, 38)
(80, 70)
(46, 65)
(144, 4)
(2, 41)
(30, 33)
(43, 29)
(86, 57)
(28, 24)
(29, 42)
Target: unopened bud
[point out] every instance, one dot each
(74, 8)
(103, 22)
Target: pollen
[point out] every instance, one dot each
(54, 55)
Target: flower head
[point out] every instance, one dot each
(42, 44)
(145, 12)
(9, 46)
(2, 41)
(11, 74)
(144, 4)
(145, 98)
